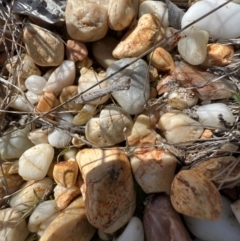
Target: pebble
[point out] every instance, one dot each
(133, 99)
(179, 128)
(120, 14)
(64, 196)
(224, 229)
(193, 48)
(102, 51)
(158, 8)
(59, 138)
(215, 115)
(235, 207)
(35, 84)
(142, 133)
(219, 24)
(13, 225)
(107, 173)
(26, 197)
(65, 173)
(20, 103)
(44, 47)
(89, 78)
(153, 169)
(191, 191)
(86, 21)
(34, 162)
(218, 55)
(203, 84)
(132, 45)
(69, 226)
(133, 231)
(14, 144)
(161, 59)
(161, 220)
(61, 77)
(76, 51)
(110, 128)
(43, 214)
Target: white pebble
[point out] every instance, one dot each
(59, 138)
(34, 162)
(35, 84)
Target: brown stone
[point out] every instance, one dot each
(161, 221)
(76, 51)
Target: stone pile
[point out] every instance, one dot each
(87, 162)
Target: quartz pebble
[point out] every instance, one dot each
(26, 198)
(133, 231)
(191, 191)
(120, 14)
(86, 21)
(76, 51)
(42, 215)
(224, 229)
(133, 99)
(179, 128)
(111, 127)
(193, 48)
(13, 225)
(69, 226)
(161, 220)
(14, 144)
(219, 24)
(109, 191)
(61, 77)
(153, 169)
(59, 138)
(44, 47)
(140, 38)
(158, 8)
(34, 162)
(35, 84)
(215, 115)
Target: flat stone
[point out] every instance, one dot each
(133, 99)
(108, 187)
(44, 47)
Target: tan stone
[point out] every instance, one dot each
(63, 196)
(86, 21)
(65, 173)
(153, 169)
(192, 194)
(206, 134)
(165, 84)
(70, 224)
(140, 38)
(109, 191)
(76, 51)
(161, 59)
(44, 47)
(120, 14)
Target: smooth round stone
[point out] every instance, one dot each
(161, 221)
(13, 145)
(34, 163)
(61, 77)
(59, 138)
(86, 21)
(179, 128)
(44, 47)
(64, 118)
(156, 7)
(120, 14)
(110, 128)
(209, 115)
(133, 231)
(26, 197)
(220, 24)
(38, 136)
(102, 51)
(13, 225)
(133, 99)
(224, 229)
(193, 48)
